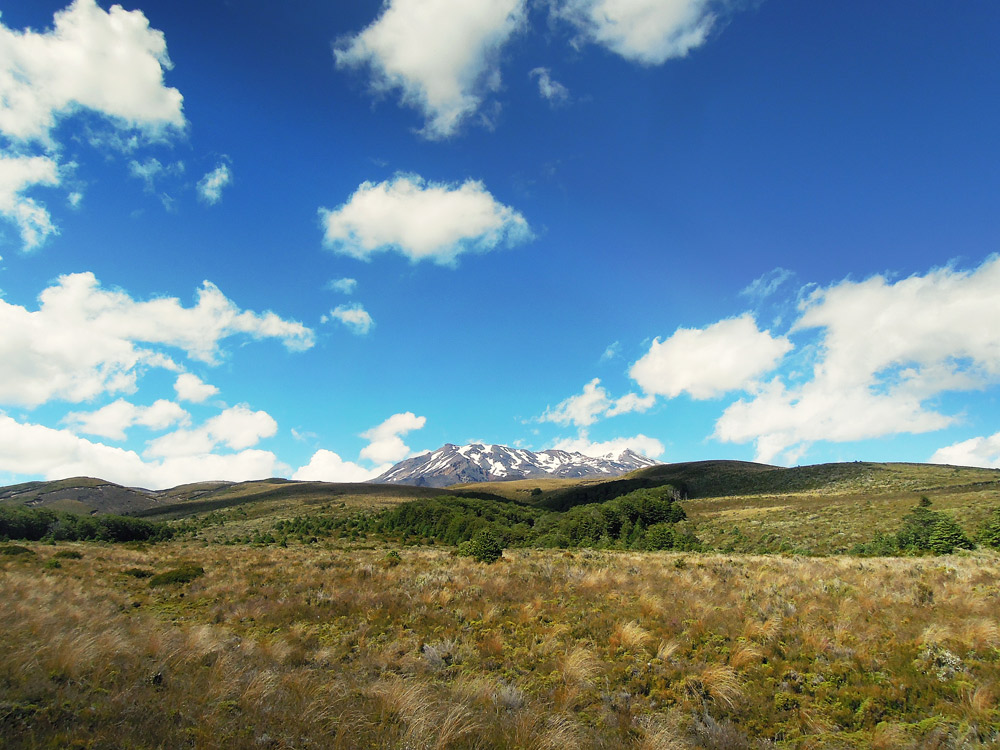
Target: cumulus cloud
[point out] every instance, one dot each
(34, 449)
(327, 466)
(593, 403)
(344, 286)
(355, 317)
(192, 388)
(644, 31)
(977, 451)
(237, 427)
(707, 362)
(641, 444)
(84, 340)
(440, 55)
(385, 444)
(885, 349)
(550, 90)
(210, 186)
(113, 420)
(109, 62)
(421, 220)
(17, 175)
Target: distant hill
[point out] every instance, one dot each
(465, 464)
(732, 505)
(86, 495)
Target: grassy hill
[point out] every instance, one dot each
(733, 505)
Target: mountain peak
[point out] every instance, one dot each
(486, 462)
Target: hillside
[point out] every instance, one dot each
(732, 505)
(747, 507)
(259, 499)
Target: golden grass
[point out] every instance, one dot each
(315, 646)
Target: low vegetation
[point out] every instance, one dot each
(334, 646)
(637, 620)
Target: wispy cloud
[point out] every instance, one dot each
(354, 316)
(550, 90)
(211, 185)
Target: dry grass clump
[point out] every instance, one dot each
(325, 646)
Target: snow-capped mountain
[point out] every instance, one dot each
(454, 464)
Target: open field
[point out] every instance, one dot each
(322, 646)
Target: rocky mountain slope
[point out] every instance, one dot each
(454, 464)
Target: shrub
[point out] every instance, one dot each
(989, 532)
(392, 559)
(138, 572)
(485, 547)
(659, 536)
(68, 554)
(15, 549)
(946, 536)
(183, 574)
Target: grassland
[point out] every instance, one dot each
(343, 647)
(356, 644)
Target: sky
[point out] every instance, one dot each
(240, 241)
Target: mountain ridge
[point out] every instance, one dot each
(483, 462)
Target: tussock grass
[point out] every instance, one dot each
(328, 646)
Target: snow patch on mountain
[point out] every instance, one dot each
(454, 464)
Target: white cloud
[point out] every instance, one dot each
(344, 286)
(549, 89)
(355, 317)
(646, 446)
(582, 409)
(385, 444)
(56, 454)
(630, 402)
(113, 420)
(210, 186)
(885, 349)
(978, 451)
(422, 220)
(441, 55)
(613, 350)
(593, 403)
(109, 62)
(645, 31)
(707, 362)
(82, 340)
(236, 427)
(191, 388)
(327, 466)
(17, 175)
(764, 286)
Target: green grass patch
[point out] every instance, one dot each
(182, 574)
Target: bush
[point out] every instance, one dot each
(183, 574)
(68, 554)
(485, 547)
(946, 536)
(15, 549)
(392, 559)
(989, 532)
(659, 536)
(923, 530)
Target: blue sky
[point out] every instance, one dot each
(240, 242)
